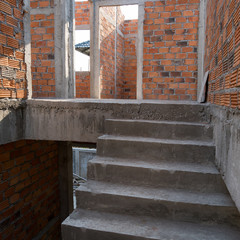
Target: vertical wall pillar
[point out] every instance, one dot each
(64, 12)
(95, 51)
(27, 41)
(201, 44)
(65, 178)
(141, 13)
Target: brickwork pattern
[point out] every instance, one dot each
(222, 53)
(107, 51)
(130, 59)
(43, 59)
(12, 66)
(29, 189)
(170, 49)
(82, 84)
(82, 13)
(120, 54)
(41, 3)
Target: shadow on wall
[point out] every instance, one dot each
(11, 124)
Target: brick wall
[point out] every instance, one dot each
(170, 49)
(120, 54)
(29, 190)
(222, 53)
(130, 59)
(82, 13)
(43, 60)
(82, 84)
(12, 67)
(107, 51)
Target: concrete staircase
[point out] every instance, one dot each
(154, 180)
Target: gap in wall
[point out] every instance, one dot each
(118, 33)
(81, 157)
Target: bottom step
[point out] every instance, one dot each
(92, 225)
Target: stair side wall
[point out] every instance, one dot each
(227, 140)
(222, 60)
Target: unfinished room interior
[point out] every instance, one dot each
(149, 90)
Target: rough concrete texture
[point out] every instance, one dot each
(227, 140)
(163, 179)
(159, 129)
(11, 120)
(202, 178)
(83, 120)
(82, 225)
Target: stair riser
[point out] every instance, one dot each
(159, 130)
(74, 233)
(156, 178)
(156, 208)
(155, 151)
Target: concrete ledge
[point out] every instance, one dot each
(83, 120)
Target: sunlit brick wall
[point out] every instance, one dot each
(12, 67)
(82, 13)
(170, 49)
(222, 53)
(42, 47)
(130, 59)
(107, 22)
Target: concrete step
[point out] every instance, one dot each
(155, 149)
(202, 178)
(92, 225)
(159, 129)
(164, 203)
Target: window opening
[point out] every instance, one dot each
(81, 157)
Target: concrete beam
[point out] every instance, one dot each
(118, 2)
(82, 27)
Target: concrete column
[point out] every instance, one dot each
(95, 51)
(65, 178)
(64, 12)
(201, 44)
(27, 41)
(141, 13)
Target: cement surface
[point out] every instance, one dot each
(83, 120)
(160, 129)
(194, 177)
(11, 120)
(227, 140)
(156, 149)
(91, 225)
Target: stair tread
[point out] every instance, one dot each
(207, 168)
(160, 194)
(147, 227)
(157, 140)
(160, 122)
